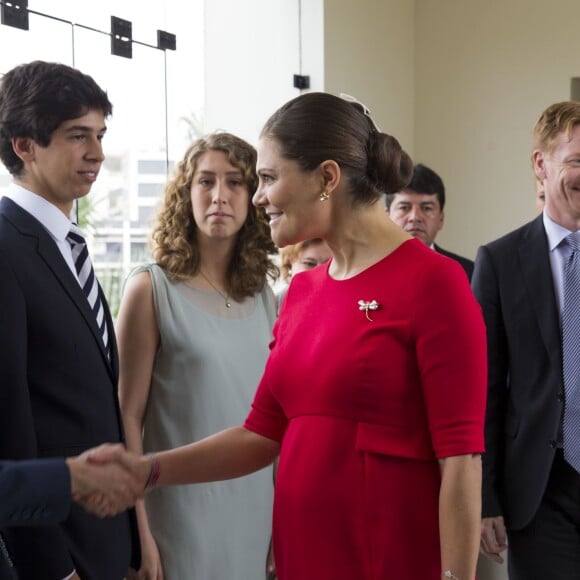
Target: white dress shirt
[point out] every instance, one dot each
(558, 255)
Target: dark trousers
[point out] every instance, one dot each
(548, 548)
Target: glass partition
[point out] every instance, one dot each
(119, 212)
(156, 112)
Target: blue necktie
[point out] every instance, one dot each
(88, 280)
(571, 352)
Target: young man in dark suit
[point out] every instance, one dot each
(528, 284)
(418, 209)
(58, 356)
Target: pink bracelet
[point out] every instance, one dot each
(154, 473)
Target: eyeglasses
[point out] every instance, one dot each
(365, 109)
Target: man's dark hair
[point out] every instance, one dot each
(424, 180)
(37, 97)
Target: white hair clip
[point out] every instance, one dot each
(365, 109)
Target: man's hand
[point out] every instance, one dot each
(493, 538)
(108, 479)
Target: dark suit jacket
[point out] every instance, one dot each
(513, 283)
(35, 492)
(58, 397)
(466, 264)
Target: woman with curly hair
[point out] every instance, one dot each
(193, 333)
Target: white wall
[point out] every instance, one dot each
(369, 53)
(251, 51)
(363, 48)
(485, 70)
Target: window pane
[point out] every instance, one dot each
(157, 111)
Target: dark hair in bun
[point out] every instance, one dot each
(315, 127)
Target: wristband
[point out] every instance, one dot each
(154, 473)
(449, 574)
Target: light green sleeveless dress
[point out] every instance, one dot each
(208, 365)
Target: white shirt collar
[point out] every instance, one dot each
(56, 222)
(555, 232)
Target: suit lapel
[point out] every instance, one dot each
(537, 273)
(113, 353)
(50, 254)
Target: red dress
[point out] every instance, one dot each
(364, 409)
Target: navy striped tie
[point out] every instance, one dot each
(571, 352)
(88, 280)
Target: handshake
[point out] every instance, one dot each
(108, 479)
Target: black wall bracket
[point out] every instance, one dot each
(15, 14)
(301, 81)
(166, 40)
(121, 37)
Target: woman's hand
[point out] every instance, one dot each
(151, 568)
(270, 564)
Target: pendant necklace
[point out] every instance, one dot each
(226, 296)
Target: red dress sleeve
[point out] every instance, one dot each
(266, 416)
(452, 357)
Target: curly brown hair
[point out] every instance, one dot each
(174, 239)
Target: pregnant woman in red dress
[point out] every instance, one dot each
(374, 391)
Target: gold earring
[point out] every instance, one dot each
(323, 195)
